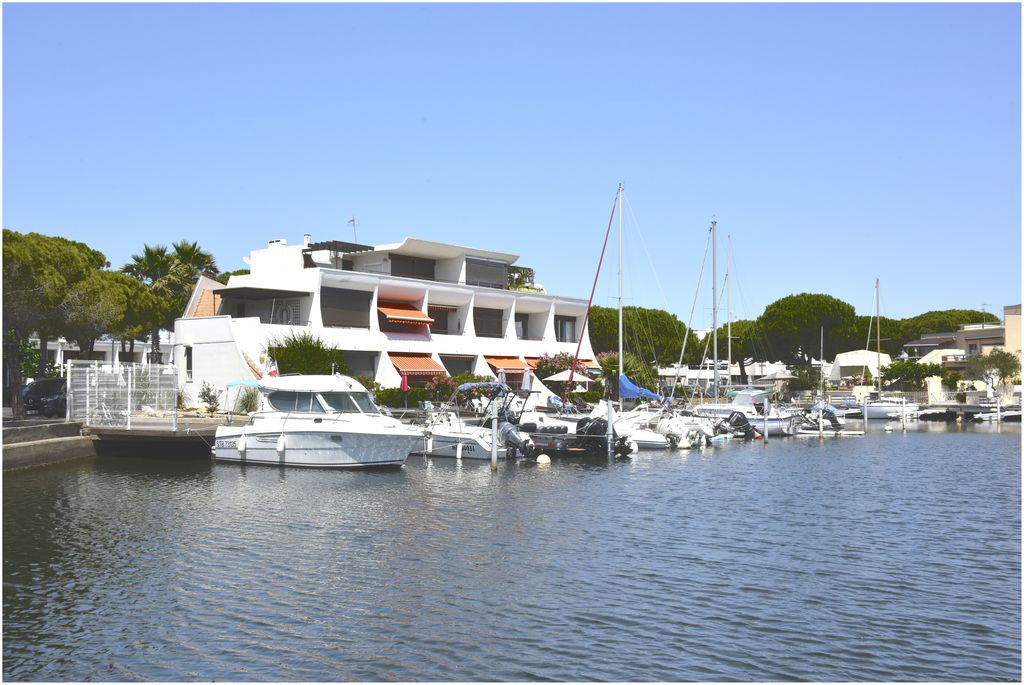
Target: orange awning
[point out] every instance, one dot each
(509, 364)
(443, 307)
(401, 312)
(416, 364)
(532, 362)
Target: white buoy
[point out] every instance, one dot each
(543, 459)
(888, 428)
(281, 444)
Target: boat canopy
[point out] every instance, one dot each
(501, 388)
(627, 390)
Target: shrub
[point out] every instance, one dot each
(305, 353)
(248, 400)
(184, 400)
(209, 397)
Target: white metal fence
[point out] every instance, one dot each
(115, 395)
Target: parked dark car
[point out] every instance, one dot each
(46, 396)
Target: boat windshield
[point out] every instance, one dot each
(285, 400)
(350, 402)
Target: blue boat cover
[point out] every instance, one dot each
(501, 388)
(627, 390)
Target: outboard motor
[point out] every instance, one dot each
(739, 424)
(832, 419)
(514, 441)
(595, 431)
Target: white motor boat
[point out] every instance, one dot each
(320, 421)
(447, 433)
(890, 407)
(749, 403)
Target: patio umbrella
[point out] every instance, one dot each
(563, 377)
(778, 376)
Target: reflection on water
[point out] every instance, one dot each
(895, 556)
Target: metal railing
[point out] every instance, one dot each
(113, 395)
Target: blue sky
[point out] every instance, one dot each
(833, 143)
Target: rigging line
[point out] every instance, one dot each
(689, 322)
(766, 347)
(647, 252)
(586, 315)
(867, 346)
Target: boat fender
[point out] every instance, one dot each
(241, 445)
(543, 459)
(281, 444)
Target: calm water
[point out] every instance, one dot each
(889, 557)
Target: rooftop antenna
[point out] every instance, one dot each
(985, 304)
(354, 224)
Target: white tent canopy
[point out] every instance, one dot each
(852, 363)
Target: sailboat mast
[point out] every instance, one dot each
(878, 337)
(620, 286)
(714, 299)
(728, 308)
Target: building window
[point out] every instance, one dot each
(456, 364)
(523, 326)
(487, 322)
(440, 317)
(412, 267)
(188, 363)
(486, 272)
(345, 308)
(565, 328)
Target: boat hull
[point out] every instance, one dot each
(885, 410)
(320, 449)
(457, 447)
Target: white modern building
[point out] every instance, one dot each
(416, 309)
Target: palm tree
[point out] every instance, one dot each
(193, 261)
(170, 276)
(153, 268)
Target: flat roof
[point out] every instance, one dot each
(428, 248)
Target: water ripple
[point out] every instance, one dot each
(888, 558)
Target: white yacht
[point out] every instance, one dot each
(324, 421)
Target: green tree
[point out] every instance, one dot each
(793, 324)
(744, 345)
(907, 372)
(38, 273)
(305, 353)
(890, 330)
(998, 367)
(170, 277)
(100, 303)
(653, 334)
(941, 321)
(224, 276)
